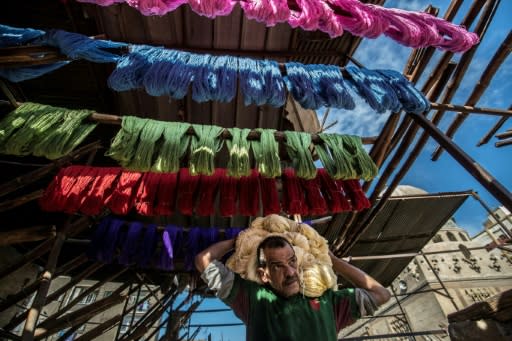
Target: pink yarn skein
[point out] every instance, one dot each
(414, 29)
(212, 8)
(155, 7)
(270, 12)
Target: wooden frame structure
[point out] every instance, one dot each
(390, 149)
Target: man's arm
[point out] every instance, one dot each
(360, 279)
(213, 252)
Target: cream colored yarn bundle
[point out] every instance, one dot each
(314, 264)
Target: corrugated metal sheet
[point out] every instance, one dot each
(404, 225)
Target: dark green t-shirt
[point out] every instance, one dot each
(271, 317)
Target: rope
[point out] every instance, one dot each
(335, 157)
(150, 134)
(363, 164)
(175, 144)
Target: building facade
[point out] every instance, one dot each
(466, 272)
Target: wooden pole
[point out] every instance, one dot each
(82, 315)
(469, 109)
(40, 299)
(10, 204)
(110, 323)
(479, 173)
(503, 143)
(27, 234)
(23, 180)
(493, 130)
(479, 89)
(253, 135)
(27, 258)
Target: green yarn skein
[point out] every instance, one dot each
(150, 134)
(238, 147)
(37, 125)
(297, 146)
(335, 157)
(266, 153)
(203, 148)
(124, 144)
(174, 145)
(68, 134)
(362, 162)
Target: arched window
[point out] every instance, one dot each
(437, 239)
(451, 237)
(463, 237)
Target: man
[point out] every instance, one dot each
(277, 310)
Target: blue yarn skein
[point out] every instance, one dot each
(13, 36)
(411, 98)
(275, 82)
(79, 46)
(373, 89)
(300, 84)
(131, 68)
(155, 77)
(179, 75)
(252, 83)
(204, 78)
(333, 88)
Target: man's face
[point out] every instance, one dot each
(281, 270)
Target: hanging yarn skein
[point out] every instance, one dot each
(266, 153)
(410, 28)
(297, 147)
(204, 145)
(238, 148)
(124, 144)
(175, 144)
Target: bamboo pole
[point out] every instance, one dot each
(88, 291)
(485, 139)
(468, 20)
(504, 135)
(253, 135)
(110, 323)
(82, 315)
(468, 109)
(10, 204)
(479, 173)
(40, 299)
(27, 258)
(503, 143)
(479, 89)
(23, 180)
(53, 296)
(453, 85)
(27, 234)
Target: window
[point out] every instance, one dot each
(437, 239)
(127, 323)
(77, 291)
(462, 237)
(107, 293)
(451, 237)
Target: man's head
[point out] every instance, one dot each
(277, 265)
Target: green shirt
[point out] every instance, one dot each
(271, 317)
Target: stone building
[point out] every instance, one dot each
(467, 273)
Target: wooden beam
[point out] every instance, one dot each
(23, 180)
(82, 315)
(27, 234)
(253, 135)
(479, 173)
(40, 299)
(11, 204)
(469, 109)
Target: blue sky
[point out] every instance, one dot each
(444, 175)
